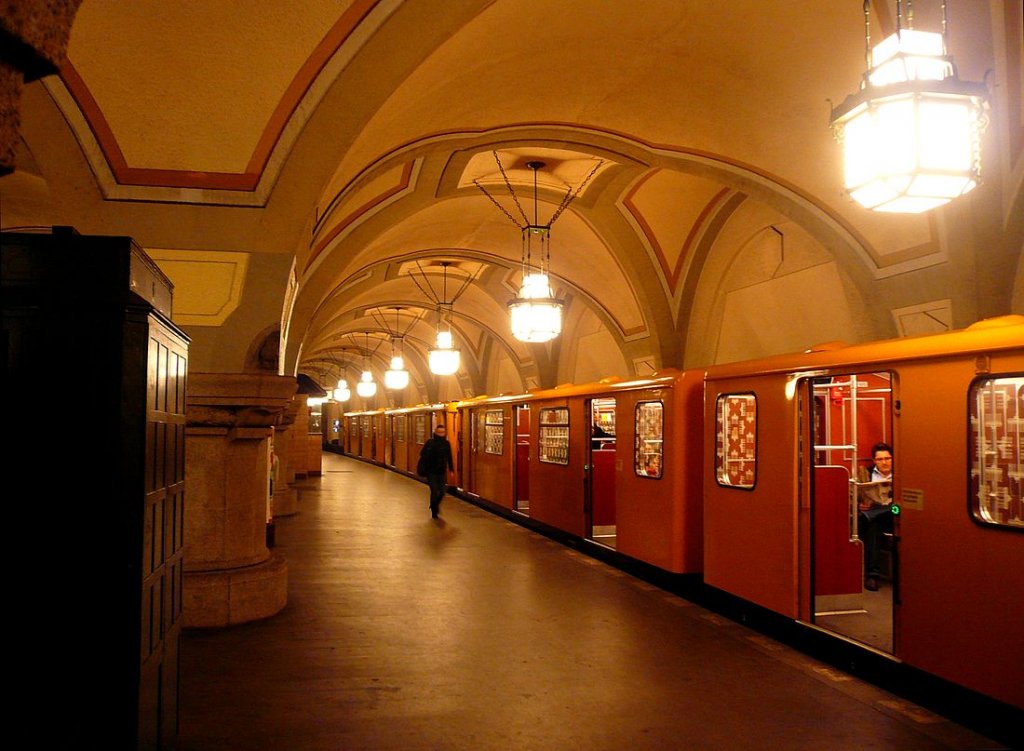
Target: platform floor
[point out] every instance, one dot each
(470, 632)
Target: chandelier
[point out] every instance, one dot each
(396, 377)
(366, 387)
(536, 314)
(341, 392)
(911, 136)
(443, 358)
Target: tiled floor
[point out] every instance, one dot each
(470, 632)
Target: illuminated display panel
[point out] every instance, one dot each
(554, 436)
(997, 450)
(649, 447)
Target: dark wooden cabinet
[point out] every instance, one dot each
(94, 393)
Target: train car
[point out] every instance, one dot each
(616, 462)
(359, 434)
(786, 441)
(410, 427)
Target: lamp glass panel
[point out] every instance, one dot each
(536, 321)
(908, 56)
(945, 134)
(397, 377)
(443, 361)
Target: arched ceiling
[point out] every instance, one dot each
(351, 135)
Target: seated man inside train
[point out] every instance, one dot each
(875, 510)
(596, 433)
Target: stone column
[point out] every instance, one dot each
(298, 441)
(286, 497)
(230, 574)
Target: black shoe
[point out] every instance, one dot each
(871, 584)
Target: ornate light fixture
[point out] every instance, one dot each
(911, 136)
(366, 387)
(443, 357)
(341, 392)
(396, 377)
(536, 313)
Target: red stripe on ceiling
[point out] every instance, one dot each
(352, 216)
(283, 112)
(329, 45)
(671, 274)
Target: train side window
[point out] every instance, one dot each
(419, 425)
(400, 428)
(494, 431)
(736, 440)
(554, 436)
(649, 447)
(996, 406)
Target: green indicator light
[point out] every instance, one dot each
(895, 510)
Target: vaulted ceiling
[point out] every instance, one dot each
(345, 139)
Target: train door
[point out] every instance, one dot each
(389, 432)
(522, 459)
(600, 469)
(854, 573)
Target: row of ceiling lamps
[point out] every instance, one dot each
(911, 139)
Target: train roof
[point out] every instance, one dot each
(990, 335)
(662, 378)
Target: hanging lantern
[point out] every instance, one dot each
(911, 136)
(397, 377)
(366, 387)
(536, 312)
(342, 392)
(444, 358)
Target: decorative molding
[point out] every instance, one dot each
(208, 284)
(120, 181)
(927, 318)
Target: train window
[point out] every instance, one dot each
(419, 426)
(997, 450)
(494, 431)
(736, 440)
(648, 442)
(366, 425)
(400, 428)
(479, 432)
(554, 436)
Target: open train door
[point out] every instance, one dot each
(521, 501)
(852, 534)
(600, 468)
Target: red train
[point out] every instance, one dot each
(749, 476)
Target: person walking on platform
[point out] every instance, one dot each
(434, 464)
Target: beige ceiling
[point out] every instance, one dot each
(350, 135)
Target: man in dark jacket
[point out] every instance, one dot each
(435, 461)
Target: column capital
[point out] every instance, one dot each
(237, 400)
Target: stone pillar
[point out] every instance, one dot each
(230, 574)
(286, 497)
(298, 441)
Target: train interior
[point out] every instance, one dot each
(849, 414)
(601, 469)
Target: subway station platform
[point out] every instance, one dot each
(471, 632)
